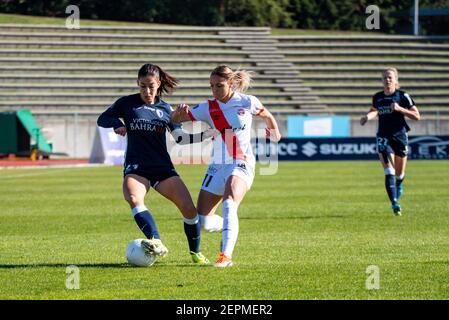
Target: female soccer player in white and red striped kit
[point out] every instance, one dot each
(231, 171)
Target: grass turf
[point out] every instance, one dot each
(308, 232)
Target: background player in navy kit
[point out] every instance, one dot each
(147, 163)
(392, 106)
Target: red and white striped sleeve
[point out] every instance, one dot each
(256, 106)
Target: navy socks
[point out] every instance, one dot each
(146, 222)
(192, 229)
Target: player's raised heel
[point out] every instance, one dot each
(396, 209)
(223, 261)
(154, 246)
(198, 258)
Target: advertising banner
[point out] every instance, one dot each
(422, 147)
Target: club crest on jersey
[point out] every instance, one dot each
(159, 113)
(241, 112)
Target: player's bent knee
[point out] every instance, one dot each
(133, 201)
(188, 209)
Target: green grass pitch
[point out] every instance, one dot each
(309, 232)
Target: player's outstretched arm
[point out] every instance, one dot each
(183, 137)
(272, 129)
(180, 114)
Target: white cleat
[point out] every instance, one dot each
(223, 261)
(155, 247)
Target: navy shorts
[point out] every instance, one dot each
(397, 144)
(153, 174)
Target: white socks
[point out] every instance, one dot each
(138, 209)
(211, 223)
(230, 227)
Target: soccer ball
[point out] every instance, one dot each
(137, 257)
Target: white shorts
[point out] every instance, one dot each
(217, 175)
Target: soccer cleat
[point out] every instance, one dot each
(223, 261)
(396, 209)
(198, 258)
(154, 246)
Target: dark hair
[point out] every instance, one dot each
(168, 83)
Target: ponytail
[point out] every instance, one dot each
(242, 79)
(168, 83)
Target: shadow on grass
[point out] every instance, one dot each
(64, 265)
(294, 218)
(97, 265)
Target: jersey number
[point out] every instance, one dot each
(382, 143)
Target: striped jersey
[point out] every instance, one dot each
(233, 120)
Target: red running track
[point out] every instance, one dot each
(47, 162)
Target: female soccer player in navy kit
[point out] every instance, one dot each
(392, 106)
(147, 163)
(231, 171)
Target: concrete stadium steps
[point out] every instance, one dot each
(381, 61)
(221, 54)
(129, 87)
(80, 36)
(359, 38)
(55, 69)
(128, 70)
(132, 62)
(100, 106)
(371, 69)
(365, 53)
(366, 95)
(357, 112)
(52, 68)
(30, 29)
(105, 78)
(345, 71)
(169, 45)
(371, 77)
(325, 46)
(95, 96)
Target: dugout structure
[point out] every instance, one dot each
(19, 128)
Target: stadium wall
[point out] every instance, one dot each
(74, 133)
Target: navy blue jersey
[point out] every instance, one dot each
(391, 123)
(146, 126)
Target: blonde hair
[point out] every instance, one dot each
(396, 73)
(242, 79)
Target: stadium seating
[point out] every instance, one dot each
(345, 71)
(51, 69)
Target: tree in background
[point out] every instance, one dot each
(303, 14)
(257, 13)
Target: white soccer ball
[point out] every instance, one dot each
(137, 257)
